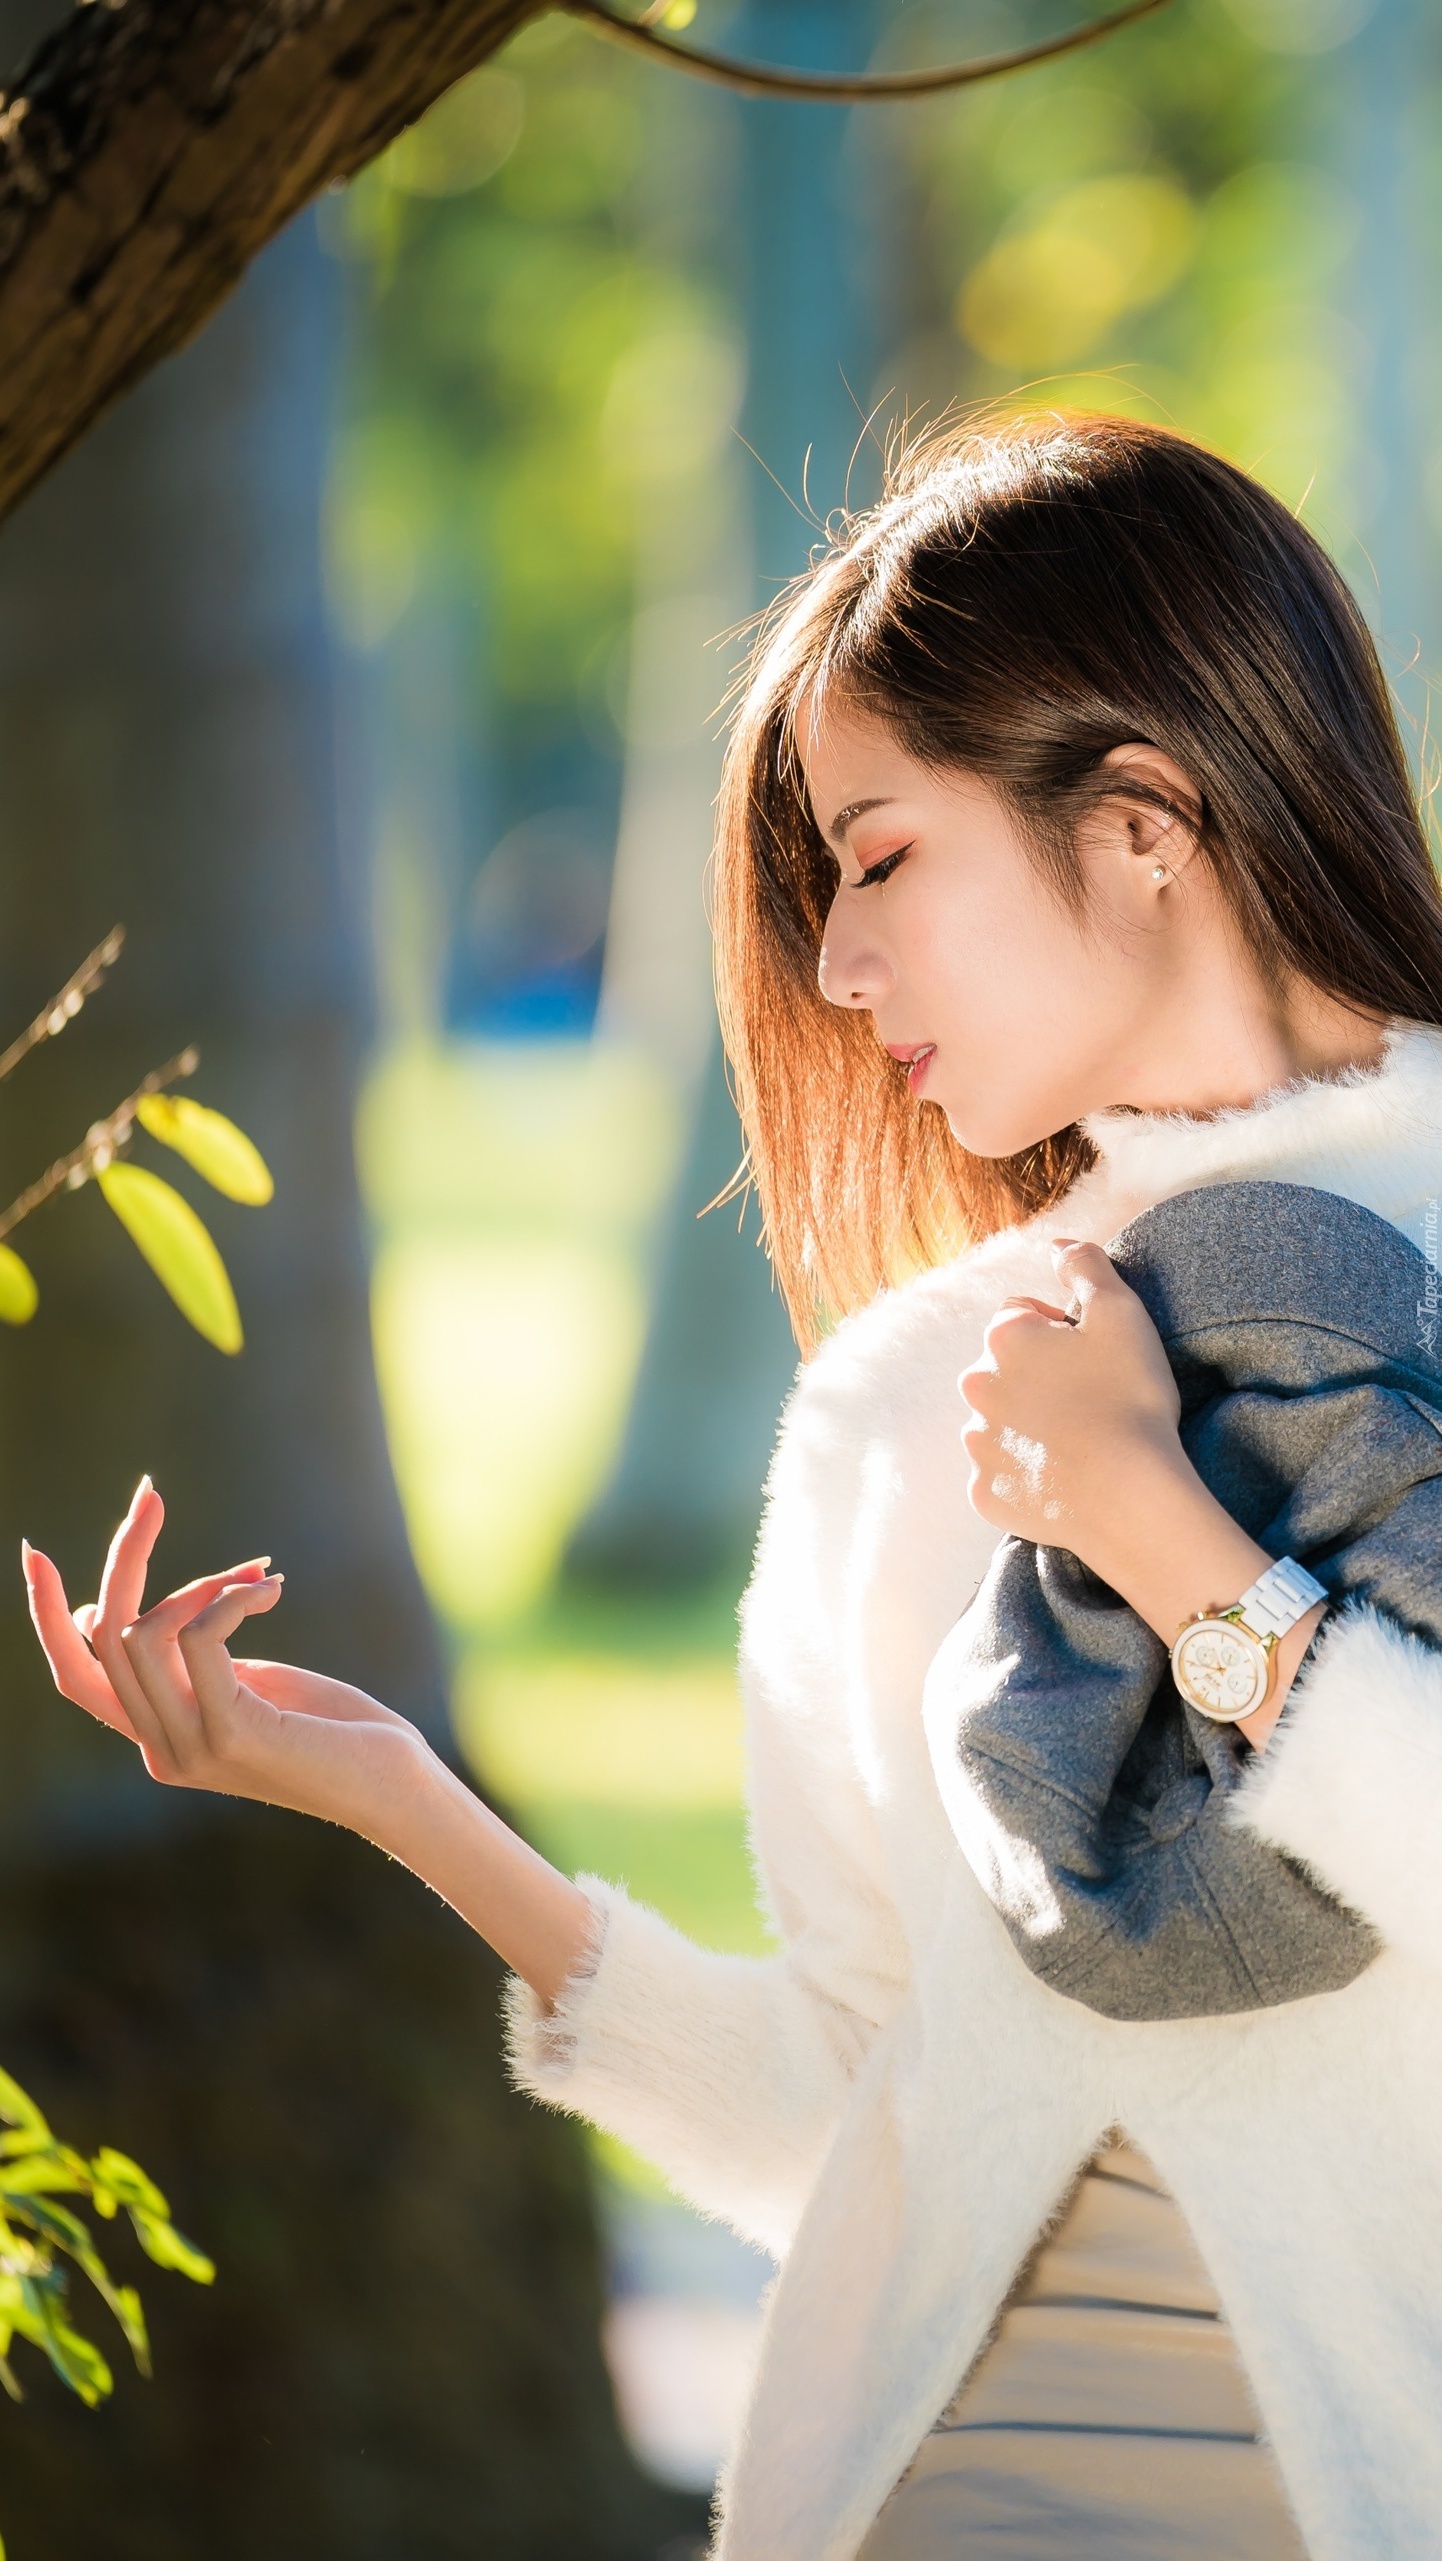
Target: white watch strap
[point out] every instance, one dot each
(1280, 1597)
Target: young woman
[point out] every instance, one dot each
(1068, 861)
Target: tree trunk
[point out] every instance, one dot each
(684, 1499)
(400, 2357)
(149, 150)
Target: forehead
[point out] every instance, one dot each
(848, 755)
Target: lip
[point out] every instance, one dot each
(916, 1056)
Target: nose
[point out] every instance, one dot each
(851, 968)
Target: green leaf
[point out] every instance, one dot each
(54, 2222)
(19, 1296)
(209, 1142)
(180, 1250)
(128, 2312)
(169, 2249)
(43, 2174)
(77, 2361)
(17, 2108)
(127, 2181)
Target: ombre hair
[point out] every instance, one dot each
(1026, 597)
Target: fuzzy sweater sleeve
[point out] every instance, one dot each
(730, 2073)
(1351, 1782)
(727, 2072)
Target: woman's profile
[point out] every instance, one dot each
(1068, 862)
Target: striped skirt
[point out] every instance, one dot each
(1110, 2419)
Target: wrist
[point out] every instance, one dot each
(1286, 1662)
(406, 1784)
(1163, 1541)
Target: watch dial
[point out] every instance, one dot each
(1220, 1671)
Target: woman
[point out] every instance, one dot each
(1068, 861)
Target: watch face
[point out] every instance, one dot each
(1221, 1668)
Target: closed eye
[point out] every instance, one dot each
(878, 872)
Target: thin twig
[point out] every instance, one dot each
(62, 1009)
(101, 1144)
(758, 80)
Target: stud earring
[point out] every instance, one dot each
(1159, 871)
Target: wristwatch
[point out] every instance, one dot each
(1224, 1661)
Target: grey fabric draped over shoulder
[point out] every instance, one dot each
(1095, 1802)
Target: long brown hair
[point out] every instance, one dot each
(1026, 597)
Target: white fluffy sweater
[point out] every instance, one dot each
(893, 2104)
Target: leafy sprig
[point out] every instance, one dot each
(174, 1240)
(41, 2240)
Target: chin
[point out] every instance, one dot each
(994, 1135)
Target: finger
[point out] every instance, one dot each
(203, 1644)
(1038, 1307)
(167, 1617)
(122, 1581)
(213, 1676)
(1085, 1268)
(163, 1669)
(73, 1667)
(149, 1674)
(122, 1585)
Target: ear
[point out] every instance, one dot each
(1162, 823)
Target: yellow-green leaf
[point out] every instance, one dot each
(209, 1142)
(179, 1248)
(127, 2181)
(170, 2249)
(18, 2108)
(19, 1299)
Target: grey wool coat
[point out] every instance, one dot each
(1095, 1806)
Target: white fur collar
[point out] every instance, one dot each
(1373, 1135)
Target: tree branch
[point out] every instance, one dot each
(100, 1145)
(62, 1009)
(759, 80)
(151, 148)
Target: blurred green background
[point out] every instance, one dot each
(618, 346)
(371, 662)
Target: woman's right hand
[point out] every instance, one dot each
(164, 1678)
(200, 1719)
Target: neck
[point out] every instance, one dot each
(1224, 1046)
(1372, 1133)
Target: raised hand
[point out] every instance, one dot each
(164, 1678)
(201, 1719)
(83, 1647)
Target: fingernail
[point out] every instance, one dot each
(26, 1551)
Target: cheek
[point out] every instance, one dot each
(983, 950)
(1026, 951)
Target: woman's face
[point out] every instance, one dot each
(1013, 1014)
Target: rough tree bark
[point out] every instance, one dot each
(151, 147)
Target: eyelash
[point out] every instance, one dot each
(883, 870)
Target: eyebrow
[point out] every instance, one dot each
(845, 818)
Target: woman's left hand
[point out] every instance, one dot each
(1067, 1404)
(1073, 1442)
